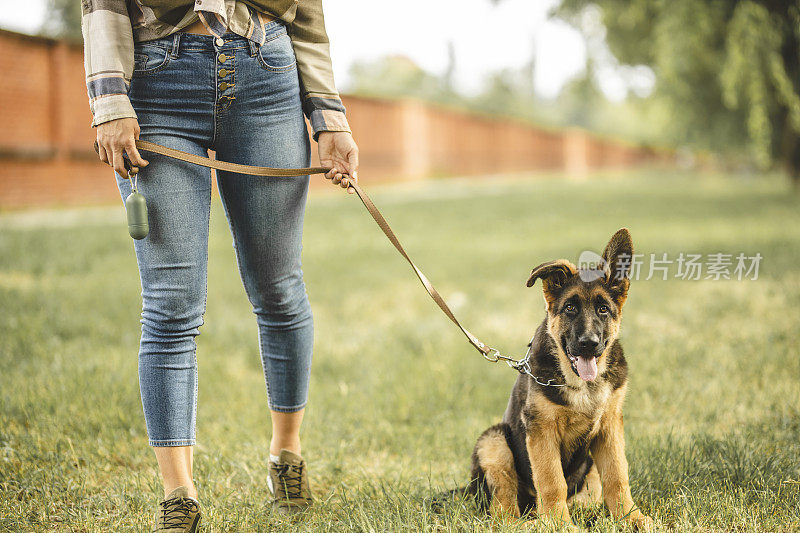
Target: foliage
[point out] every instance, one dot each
(728, 69)
(757, 72)
(398, 77)
(63, 20)
(507, 92)
(398, 397)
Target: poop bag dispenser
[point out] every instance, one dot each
(136, 206)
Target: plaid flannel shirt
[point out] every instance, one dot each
(110, 27)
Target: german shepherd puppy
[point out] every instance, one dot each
(557, 444)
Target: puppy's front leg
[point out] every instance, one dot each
(548, 475)
(608, 451)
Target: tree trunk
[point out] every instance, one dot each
(790, 153)
(790, 53)
(793, 164)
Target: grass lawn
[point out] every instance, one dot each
(398, 397)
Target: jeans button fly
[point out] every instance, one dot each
(223, 58)
(220, 41)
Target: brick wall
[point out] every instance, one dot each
(46, 155)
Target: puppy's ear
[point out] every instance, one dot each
(618, 256)
(554, 276)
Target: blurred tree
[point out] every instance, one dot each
(449, 73)
(63, 20)
(729, 70)
(398, 76)
(507, 92)
(580, 100)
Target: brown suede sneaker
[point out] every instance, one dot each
(178, 513)
(288, 483)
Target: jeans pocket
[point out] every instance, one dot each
(149, 58)
(277, 54)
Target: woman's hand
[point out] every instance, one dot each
(115, 136)
(338, 150)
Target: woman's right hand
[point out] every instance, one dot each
(115, 136)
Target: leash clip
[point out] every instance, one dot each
(523, 366)
(133, 175)
(493, 355)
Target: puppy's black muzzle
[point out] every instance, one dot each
(587, 345)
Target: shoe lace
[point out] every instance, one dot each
(175, 512)
(290, 477)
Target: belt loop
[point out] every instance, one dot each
(176, 45)
(253, 47)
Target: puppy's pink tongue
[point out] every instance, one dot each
(587, 368)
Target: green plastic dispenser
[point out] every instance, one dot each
(136, 206)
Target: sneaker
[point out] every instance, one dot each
(178, 513)
(288, 483)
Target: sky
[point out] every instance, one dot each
(486, 38)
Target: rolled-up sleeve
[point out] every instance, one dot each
(108, 58)
(321, 102)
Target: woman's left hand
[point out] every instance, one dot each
(338, 150)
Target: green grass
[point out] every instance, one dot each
(398, 397)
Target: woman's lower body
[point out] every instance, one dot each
(196, 93)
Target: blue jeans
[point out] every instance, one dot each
(243, 101)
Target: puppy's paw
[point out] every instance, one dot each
(644, 523)
(586, 499)
(537, 524)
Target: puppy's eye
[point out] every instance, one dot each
(570, 309)
(603, 310)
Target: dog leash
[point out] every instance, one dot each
(492, 355)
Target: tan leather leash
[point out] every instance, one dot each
(490, 354)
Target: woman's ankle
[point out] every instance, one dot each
(285, 432)
(190, 488)
(276, 445)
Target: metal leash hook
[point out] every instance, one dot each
(493, 355)
(136, 207)
(523, 366)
